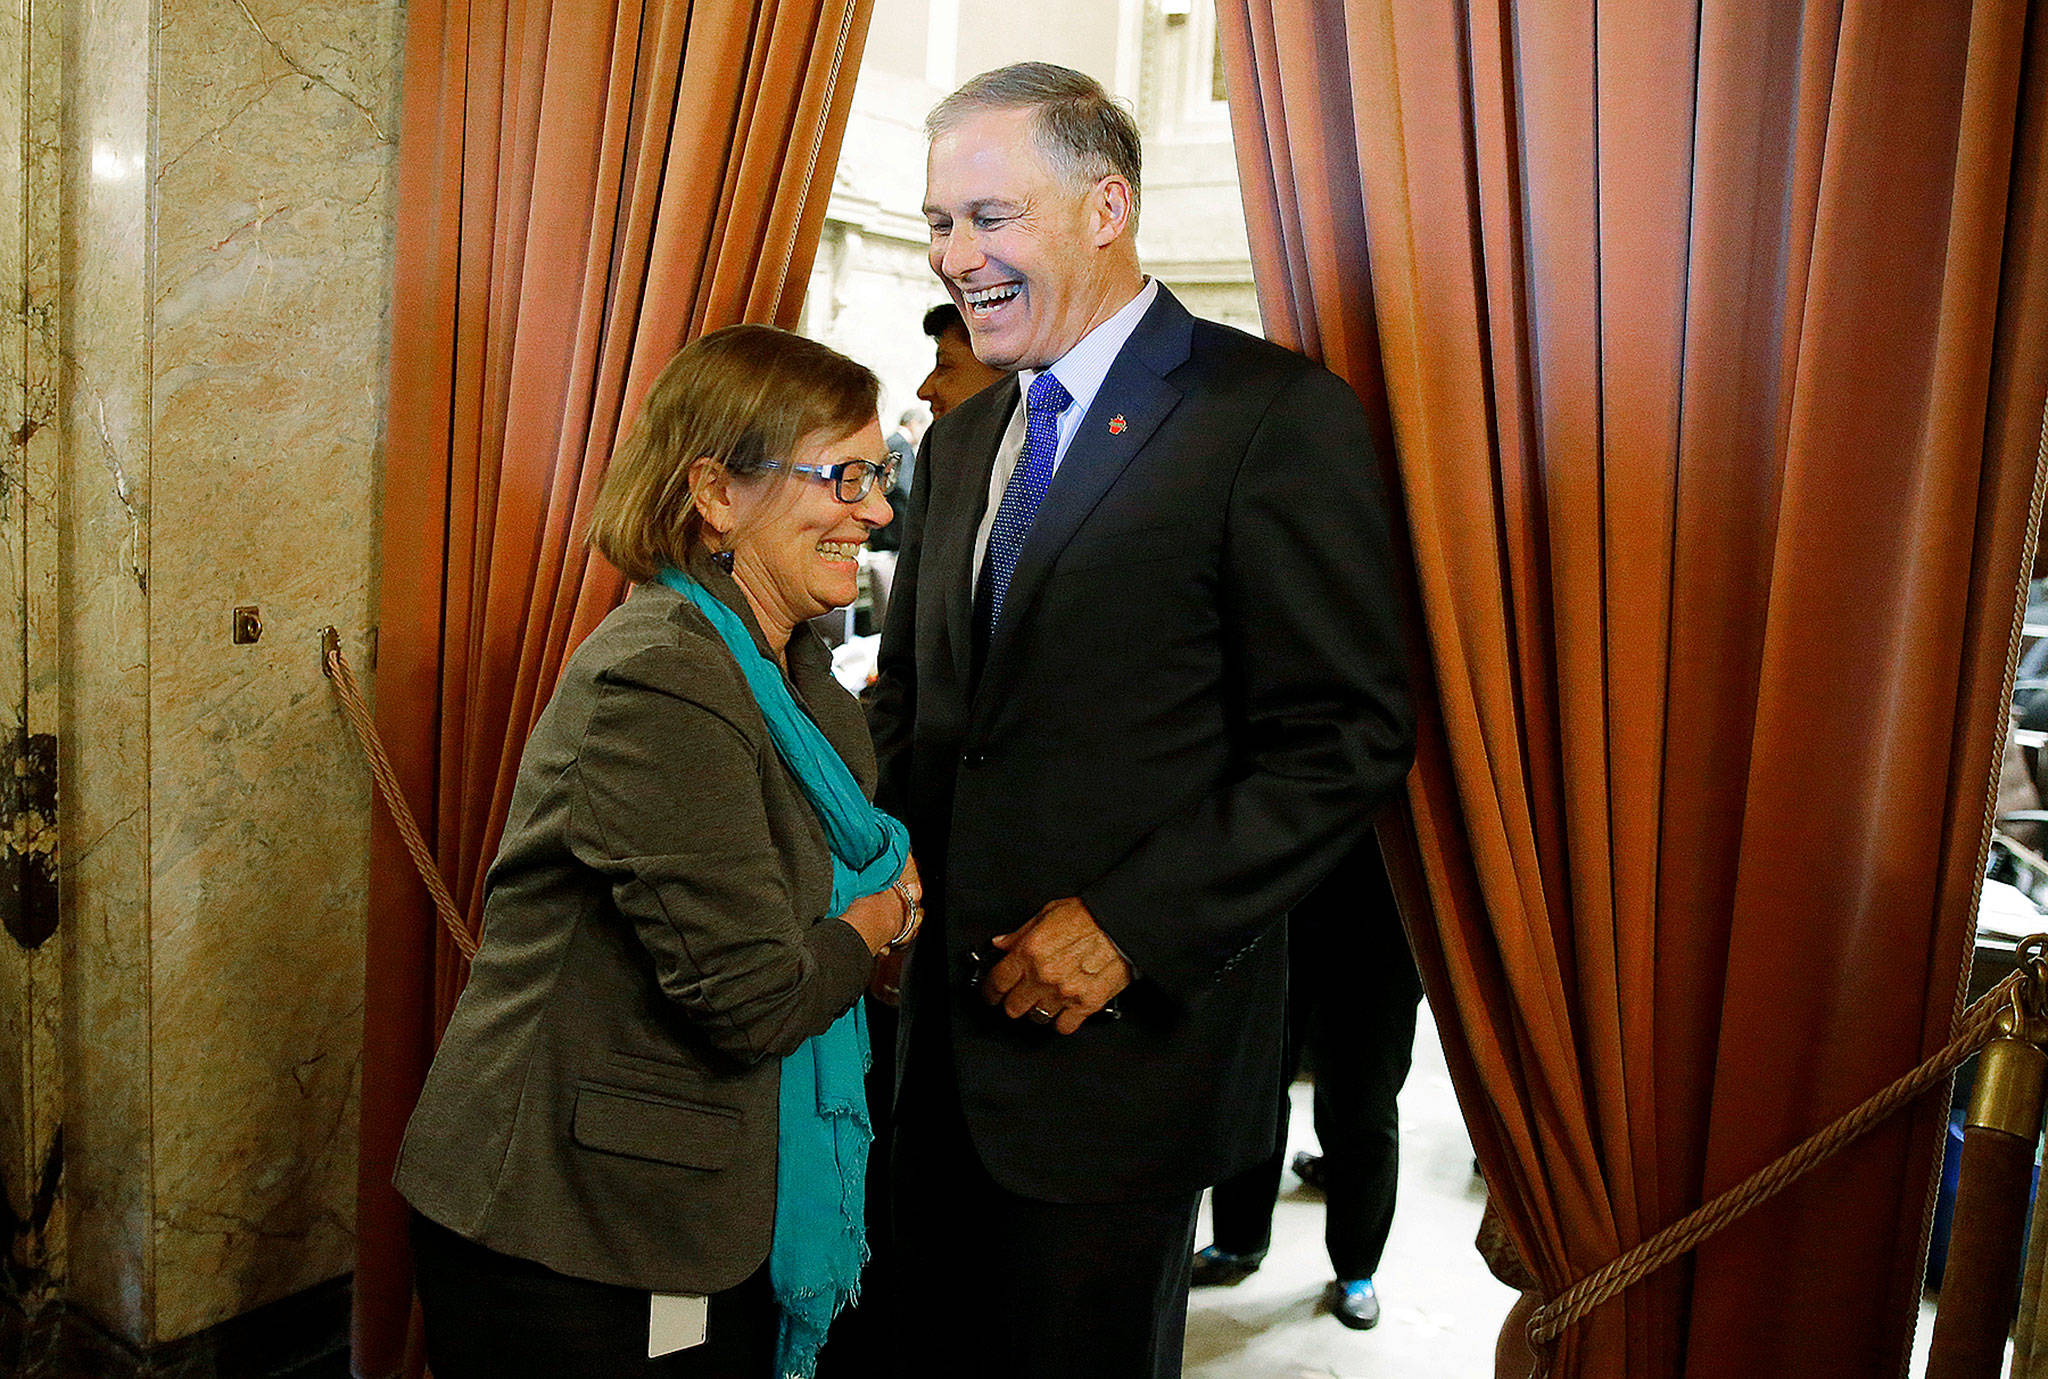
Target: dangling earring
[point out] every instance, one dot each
(723, 560)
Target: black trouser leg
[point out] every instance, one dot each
(1351, 954)
(490, 1316)
(1001, 1286)
(1362, 1053)
(1351, 1004)
(1241, 1207)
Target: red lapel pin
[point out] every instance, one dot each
(1117, 424)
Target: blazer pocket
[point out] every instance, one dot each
(684, 1133)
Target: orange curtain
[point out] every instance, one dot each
(1714, 340)
(582, 188)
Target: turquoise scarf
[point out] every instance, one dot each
(822, 1160)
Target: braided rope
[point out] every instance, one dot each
(359, 718)
(1974, 1031)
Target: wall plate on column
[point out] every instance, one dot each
(248, 625)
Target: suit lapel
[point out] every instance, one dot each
(1135, 391)
(966, 505)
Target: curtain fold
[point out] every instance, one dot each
(582, 188)
(1712, 338)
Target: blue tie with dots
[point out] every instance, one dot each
(1028, 483)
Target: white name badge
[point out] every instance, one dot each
(675, 1321)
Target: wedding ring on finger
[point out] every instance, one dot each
(1040, 1015)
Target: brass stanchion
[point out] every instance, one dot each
(1980, 1286)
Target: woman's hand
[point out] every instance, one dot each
(876, 918)
(890, 918)
(886, 982)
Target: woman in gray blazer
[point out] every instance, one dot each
(652, 1083)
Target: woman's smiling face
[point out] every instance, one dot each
(795, 544)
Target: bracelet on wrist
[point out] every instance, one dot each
(911, 914)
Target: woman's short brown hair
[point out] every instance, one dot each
(744, 396)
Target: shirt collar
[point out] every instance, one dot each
(1081, 369)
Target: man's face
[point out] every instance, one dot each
(1020, 248)
(956, 375)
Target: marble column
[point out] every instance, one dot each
(194, 383)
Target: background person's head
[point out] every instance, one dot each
(1031, 193)
(710, 464)
(956, 373)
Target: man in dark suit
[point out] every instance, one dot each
(1139, 692)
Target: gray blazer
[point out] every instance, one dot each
(655, 940)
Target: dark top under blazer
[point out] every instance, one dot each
(1191, 708)
(654, 941)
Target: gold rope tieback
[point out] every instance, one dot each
(1979, 1024)
(359, 718)
(1977, 1027)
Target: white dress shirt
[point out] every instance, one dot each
(1080, 371)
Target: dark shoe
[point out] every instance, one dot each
(1216, 1268)
(1309, 1168)
(1353, 1302)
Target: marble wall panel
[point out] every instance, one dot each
(103, 700)
(276, 143)
(16, 1003)
(40, 459)
(30, 962)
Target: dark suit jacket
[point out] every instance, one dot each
(1189, 712)
(654, 942)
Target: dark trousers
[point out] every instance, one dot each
(1008, 1287)
(490, 1316)
(1351, 1005)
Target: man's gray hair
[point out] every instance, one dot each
(1081, 130)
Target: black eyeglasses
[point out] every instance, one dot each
(851, 480)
